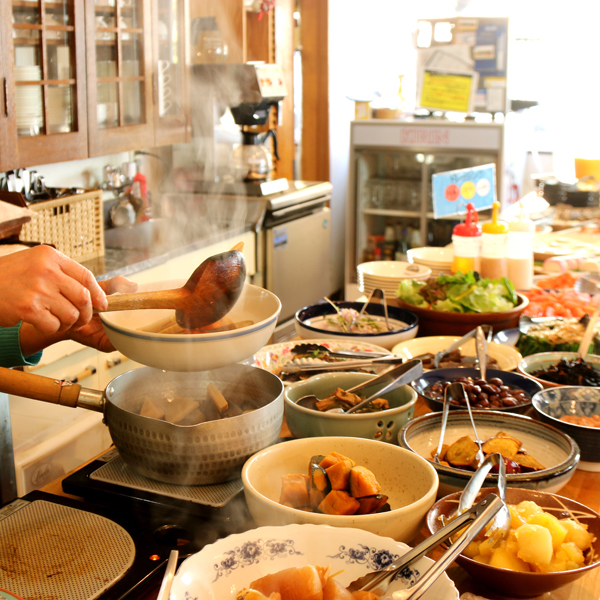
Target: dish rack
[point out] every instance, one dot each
(73, 224)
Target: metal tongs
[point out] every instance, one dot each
(376, 293)
(487, 329)
(479, 516)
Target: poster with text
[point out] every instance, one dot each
(452, 190)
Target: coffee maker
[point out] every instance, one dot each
(247, 92)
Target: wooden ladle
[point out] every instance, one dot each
(208, 295)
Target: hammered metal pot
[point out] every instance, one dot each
(207, 453)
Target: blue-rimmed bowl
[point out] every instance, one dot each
(554, 403)
(194, 351)
(528, 385)
(311, 324)
(551, 447)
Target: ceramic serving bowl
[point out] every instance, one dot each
(544, 360)
(554, 403)
(551, 447)
(382, 425)
(507, 358)
(194, 352)
(223, 569)
(409, 481)
(311, 323)
(437, 322)
(528, 385)
(509, 583)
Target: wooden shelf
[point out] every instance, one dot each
(386, 212)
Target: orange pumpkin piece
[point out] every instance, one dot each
(334, 590)
(255, 595)
(332, 458)
(339, 502)
(315, 498)
(371, 504)
(339, 474)
(362, 595)
(293, 584)
(294, 490)
(363, 483)
(506, 446)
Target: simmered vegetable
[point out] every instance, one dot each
(570, 372)
(335, 485)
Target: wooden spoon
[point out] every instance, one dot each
(208, 295)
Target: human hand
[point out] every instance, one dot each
(48, 290)
(93, 334)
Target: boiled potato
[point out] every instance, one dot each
(535, 544)
(553, 525)
(577, 533)
(527, 508)
(503, 558)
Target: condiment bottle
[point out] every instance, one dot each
(494, 237)
(519, 252)
(466, 240)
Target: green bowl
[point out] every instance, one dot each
(381, 425)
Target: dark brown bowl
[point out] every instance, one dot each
(437, 322)
(514, 583)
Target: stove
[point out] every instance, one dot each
(115, 543)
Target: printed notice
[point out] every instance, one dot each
(446, 91)
(453, 189)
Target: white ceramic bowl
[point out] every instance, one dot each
(545, 360)
(441, 258)
(409, 481)
(381, 426)
(194, 352)
(507, 357)
(310, 324)
(551, 447)
(220, 571)
(384, 270)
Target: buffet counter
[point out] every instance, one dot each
(583, 487)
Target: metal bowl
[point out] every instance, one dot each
(206, 453)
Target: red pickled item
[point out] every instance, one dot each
(471, 227)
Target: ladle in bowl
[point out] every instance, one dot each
(208, 295)
(399, 375)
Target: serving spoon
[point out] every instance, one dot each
(208, 295)
(400, 375)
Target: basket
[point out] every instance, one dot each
(73, 224)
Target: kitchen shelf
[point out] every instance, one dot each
(387, 212)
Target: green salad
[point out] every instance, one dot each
(460, 293)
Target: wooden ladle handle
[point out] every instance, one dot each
(38, 387)
(172, 299)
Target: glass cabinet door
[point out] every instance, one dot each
(170, 61)
(118, 42)
(46, 80)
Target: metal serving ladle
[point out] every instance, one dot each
(487, 330)
(399, 375)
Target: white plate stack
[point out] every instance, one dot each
(29, 100)
(387, 275)
(439, 260)
(59, 108)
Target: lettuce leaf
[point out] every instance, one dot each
(408, 291)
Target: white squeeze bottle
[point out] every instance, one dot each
(519, 252)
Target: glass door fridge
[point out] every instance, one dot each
(390, 202)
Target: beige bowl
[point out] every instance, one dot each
(194, 352)
(408, 480)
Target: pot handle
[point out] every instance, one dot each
(38, 387)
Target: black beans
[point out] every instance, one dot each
(493, 393)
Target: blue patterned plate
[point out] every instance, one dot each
(221, 570)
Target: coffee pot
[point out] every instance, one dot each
(252, 161)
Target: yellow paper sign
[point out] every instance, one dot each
(445, 91)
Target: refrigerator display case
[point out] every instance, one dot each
(390, 201)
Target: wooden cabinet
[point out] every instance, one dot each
(44, 115)
(88, 78)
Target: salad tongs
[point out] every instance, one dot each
(376, 293)
(479, 516)
(465, 338)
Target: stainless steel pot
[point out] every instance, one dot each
(207, 453)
